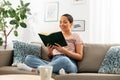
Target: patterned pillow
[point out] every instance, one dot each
(22, 49)
(111, 62)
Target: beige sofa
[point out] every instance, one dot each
(87, 68)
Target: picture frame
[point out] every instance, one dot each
(51, 12)
(78, 1)
(78, 25)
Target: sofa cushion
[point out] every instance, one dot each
(93, 57)
(44, 51)
(22, 49)
(87, 76)
(111, 62)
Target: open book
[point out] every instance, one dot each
(56, 37)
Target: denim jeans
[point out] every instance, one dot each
(58, 62)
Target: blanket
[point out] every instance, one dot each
(111, 62)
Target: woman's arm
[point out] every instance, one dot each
(78, 55)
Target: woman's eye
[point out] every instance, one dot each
(64, 22)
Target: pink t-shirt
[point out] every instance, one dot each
(71, 40)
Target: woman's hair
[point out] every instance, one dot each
(69, 17)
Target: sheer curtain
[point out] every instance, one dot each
(115, 21)
(104, 21)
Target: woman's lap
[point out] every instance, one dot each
(58, 62)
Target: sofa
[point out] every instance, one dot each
(88, 67)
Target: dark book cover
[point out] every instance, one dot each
(56, 37)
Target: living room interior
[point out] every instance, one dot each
(100, 19)
(97, 23)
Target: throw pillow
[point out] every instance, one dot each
(22, 49)
(111, 62)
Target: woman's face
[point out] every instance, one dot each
(64, 24)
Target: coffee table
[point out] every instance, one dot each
(20, 77)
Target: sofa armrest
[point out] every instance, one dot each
(6, 57)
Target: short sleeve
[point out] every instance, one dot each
(78, 39)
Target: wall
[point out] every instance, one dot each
(37, 24)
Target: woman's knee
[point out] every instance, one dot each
(65, 59)
(71, 67)
(28, 58)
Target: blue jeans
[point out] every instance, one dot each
(58, 62)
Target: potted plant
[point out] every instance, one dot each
(12, 18)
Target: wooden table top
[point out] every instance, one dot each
(20, 77)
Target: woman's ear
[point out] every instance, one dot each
(71, 24)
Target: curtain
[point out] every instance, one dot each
(100, 21)
(115, 21)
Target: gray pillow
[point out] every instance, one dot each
(22, 49)
(111, 62)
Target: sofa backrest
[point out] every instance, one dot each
(93, 57)
(6, 57)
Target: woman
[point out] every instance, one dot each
(61, 57)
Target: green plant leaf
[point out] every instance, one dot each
(1, 42)
(8, 3)
(1, 9)
(23, 16)
(27, 4)
(23, 25)
(17, 18)
(13, 22)
(15, 33)
(5, 14)
(17, 25)
(21, 2)
(28, 9)
(12, 12)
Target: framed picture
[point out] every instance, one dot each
(51, 11)
(78, 1)
(79, 25)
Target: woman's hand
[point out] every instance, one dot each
(50, 49)
(59, 48)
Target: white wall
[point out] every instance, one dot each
(37, 24)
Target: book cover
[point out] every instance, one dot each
(56, 37)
